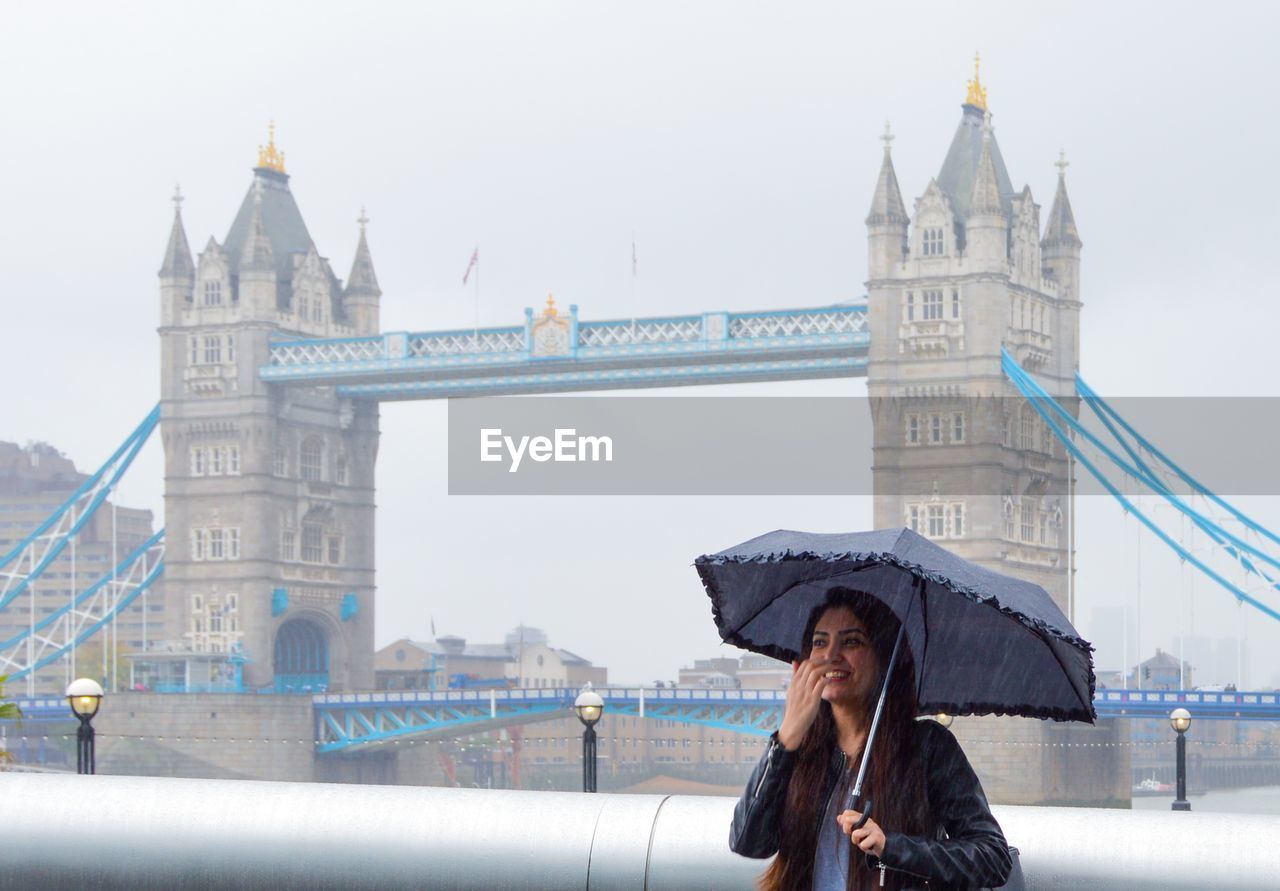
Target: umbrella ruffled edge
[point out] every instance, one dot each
(734, 638)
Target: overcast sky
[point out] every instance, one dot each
(737, 141)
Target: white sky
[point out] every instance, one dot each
(738, 141)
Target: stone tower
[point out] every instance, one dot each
(958, 455)
(269, 491)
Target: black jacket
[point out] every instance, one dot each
(970, 851)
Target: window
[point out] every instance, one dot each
(932, 242)
(197, 544)
(312, 543)
(955, 304)
(287, 543)
(302, 306)
(231, 347)
(957, 427)
(911, 307)
(955, 520)
(197, 462)
(1026, 435)
(1046, 438)
(913, 430)
(195, 351)
(1028, 522)
(311, 460)
(335, 552)
(213, 293)
(317, 310)
(1044, 528)
(212, 350)
(913, 518)
(233, 543)
(340, 470)
(931, 306)
(937, 521)
(280, 462)
(233, 460)
(217, 461)
(216, 551)
(935, 429)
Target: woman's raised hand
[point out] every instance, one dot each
(803, 698)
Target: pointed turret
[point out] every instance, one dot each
(178, 271)
(886, 205)
(256, 255)
(987, 228)
(1060, 247)
(257, 285)
(177, 256)
(360, 297)
(985, 197)
(1061, 228)
(887, 222)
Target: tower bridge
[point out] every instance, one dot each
(273, 368)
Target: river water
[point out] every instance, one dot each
(1256, 800)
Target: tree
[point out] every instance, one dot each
(9, 711)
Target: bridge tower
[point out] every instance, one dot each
(958, 456)
(269, 490)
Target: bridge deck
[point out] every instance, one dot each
(552, 353)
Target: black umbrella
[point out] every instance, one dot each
(982, 642)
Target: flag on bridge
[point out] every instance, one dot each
(475, 261)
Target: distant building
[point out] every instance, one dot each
(1161, 672)
(523, 659)
(35, 480)
(750, 672)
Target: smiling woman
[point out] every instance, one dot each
(932, 823)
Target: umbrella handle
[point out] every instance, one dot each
(866, 813)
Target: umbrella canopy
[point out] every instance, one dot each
(982, 642)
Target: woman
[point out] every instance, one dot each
(930, 824)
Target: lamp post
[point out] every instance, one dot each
(589, 707)
(1180, 719)
(85, 695)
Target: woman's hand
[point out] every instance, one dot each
(803, 698)
(870, 837)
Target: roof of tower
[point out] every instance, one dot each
(886, 204)
(986, 197)
(960, 168)
(177, 256)
(363, 280)
(281, 221)
(1062, 223)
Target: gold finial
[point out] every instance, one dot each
(1062, 163)
(887, 138)
(363, 219)
(177, 199)
(551, 306)
(977, 96)
(270, 157)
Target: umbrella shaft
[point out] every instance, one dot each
(875, 719)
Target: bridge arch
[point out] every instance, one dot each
(301, 656)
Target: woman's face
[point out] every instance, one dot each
(842, 646)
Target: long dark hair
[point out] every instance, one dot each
(895, 776)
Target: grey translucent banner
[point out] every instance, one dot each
(977, 446)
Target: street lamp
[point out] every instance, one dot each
(85, 695)
(1180, 720)
(589, 707)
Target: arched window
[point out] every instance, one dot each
(311, 459)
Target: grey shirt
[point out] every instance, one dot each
(831, 860)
